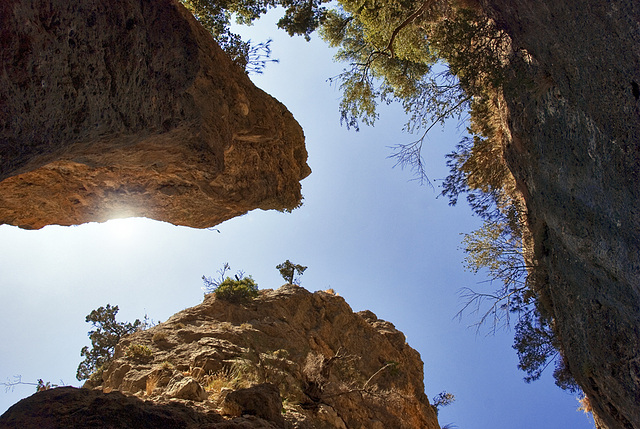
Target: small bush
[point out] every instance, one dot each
(139, 352)
(166, 365)
(442, 399)
(225, 326)
(237, 291)
(159, 337)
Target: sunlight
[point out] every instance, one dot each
(121, 230)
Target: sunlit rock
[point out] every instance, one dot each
(129, 108)
(288, 358)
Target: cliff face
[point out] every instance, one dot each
(576, 157)
(131, 109)
(289, 358)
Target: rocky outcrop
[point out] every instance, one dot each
(576, 156)
(289, 358)
(68, 407)
(129, 108)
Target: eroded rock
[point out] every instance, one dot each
(186, 388)
(129, 108)
(262, 400)
(69, 407)
(308, 353)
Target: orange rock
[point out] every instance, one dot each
(131, 109)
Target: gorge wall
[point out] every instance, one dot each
(289, 358)
(129, 108)
(575, 153)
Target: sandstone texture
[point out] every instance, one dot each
(129, 108)
(576, 156)
(287, 359)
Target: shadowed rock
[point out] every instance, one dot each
(576, 156)
(129, 108)
(82, 408)
(262, 400)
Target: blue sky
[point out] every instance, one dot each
(381, 241)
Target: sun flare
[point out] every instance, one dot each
(121, 229)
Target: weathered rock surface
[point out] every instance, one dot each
(129, 108)
(576, 156)
(305, 352)
(68, 407)
(262, 401)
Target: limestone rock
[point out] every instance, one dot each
(331, 368)
(576, 156)
(262, 400)
(185, 388)
(129, 108)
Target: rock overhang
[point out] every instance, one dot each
(133, 110)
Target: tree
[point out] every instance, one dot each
(301, 17)
(290, 272)
(104, 338)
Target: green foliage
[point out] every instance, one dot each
(382, 66)
(534, 344)
(104, 339)
(497, 248)
(42, 385)
(537, 347)
(301, 18)
(215, 17)
(290, 272)
(238, 290)
(139, 352)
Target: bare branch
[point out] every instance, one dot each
(40, 384)
(411, 154)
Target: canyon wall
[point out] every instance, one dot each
(575, 153)
(129, 108)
